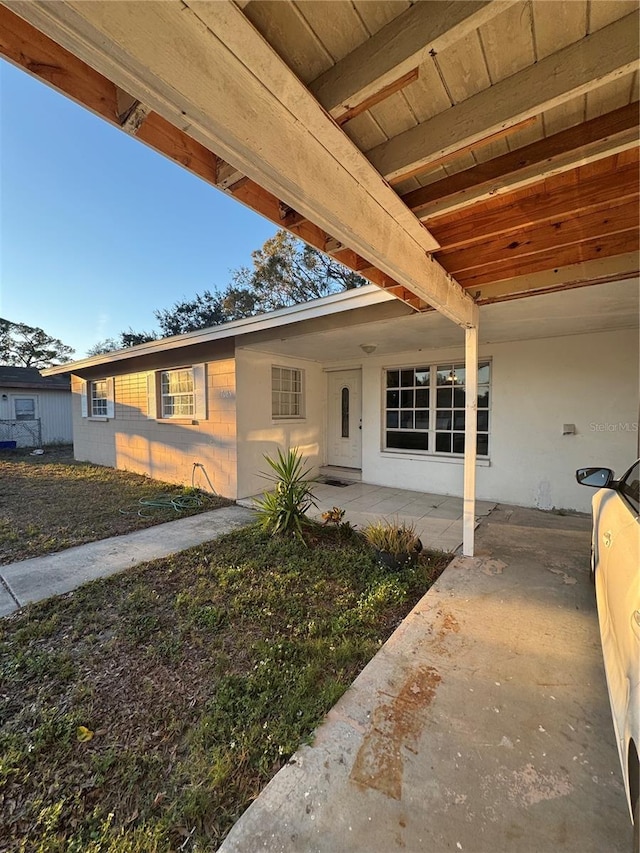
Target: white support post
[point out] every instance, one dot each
(470, 434)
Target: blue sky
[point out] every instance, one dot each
(96, 229)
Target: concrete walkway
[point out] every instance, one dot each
(54, 574)
(482, 725)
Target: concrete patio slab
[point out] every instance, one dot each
(482, 725)
(54, 574)
(436, 518)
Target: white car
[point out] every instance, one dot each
(615, 570)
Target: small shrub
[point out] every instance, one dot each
(333, 516)
(284, 509)
(398, 540)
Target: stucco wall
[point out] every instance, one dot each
(537, 386)
(164, 450)
(258, 432)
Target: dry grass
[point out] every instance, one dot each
(195, 678)
(52, 502)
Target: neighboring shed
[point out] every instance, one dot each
(34, 409)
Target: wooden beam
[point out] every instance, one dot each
(583, 274)
(398, 49)
(621, 243)
(599, 58)
(600, 137)
(475, 146)
(27, 48)
(621, 216)
(205, 68)
(380, 96)
(552, 199)
(263, 202)
(49, 62)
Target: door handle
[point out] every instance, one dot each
(607, 539)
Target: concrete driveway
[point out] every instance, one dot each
(483, 724)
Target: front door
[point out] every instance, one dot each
(344, 429)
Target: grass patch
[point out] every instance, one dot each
(52, 502)
(196, 677)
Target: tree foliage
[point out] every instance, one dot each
(284, 272)
(30, 346)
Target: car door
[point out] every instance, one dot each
(618, 593)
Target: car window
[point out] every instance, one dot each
(630, 486)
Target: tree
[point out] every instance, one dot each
(203, 310)
(102, 347)
(285, 272)
(29, 346)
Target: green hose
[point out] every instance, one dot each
(163, 502)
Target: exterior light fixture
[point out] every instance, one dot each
(368, 348)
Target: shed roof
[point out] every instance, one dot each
(31, 378)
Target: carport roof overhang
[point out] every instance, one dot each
(437, 148)
(452, 153)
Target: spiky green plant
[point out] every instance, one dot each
(396, 538)
(284, 508)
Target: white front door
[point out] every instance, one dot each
(344, 428)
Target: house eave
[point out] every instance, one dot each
(348, 300)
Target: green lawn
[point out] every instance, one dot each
(51, 502)
(195, 678)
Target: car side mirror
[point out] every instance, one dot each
(598, 478)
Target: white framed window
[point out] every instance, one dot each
(97, 400)
(24, 408)
(178, 394)
(424, 408)
(287, 392)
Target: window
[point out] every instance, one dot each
(630, 487)
(96, 399)
(25, 408)
(287, 392)
(99, 398)
(344, 405)
(424, 408)
(177, 394)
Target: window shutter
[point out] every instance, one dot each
(152, 404)
(84, 406)
(111, 408)
(200, 391)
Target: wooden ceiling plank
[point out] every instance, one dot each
(470, 149)
(622, 243)
(600, 270)
(597, 59)
(520, 210)
(398, 48)
(613, 218)
(601, 137)
(204, 67)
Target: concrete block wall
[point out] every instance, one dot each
(165, 449)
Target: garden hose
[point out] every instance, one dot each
(178, 503)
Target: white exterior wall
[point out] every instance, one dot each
(537, 386)
(258, 432)
(53, 408)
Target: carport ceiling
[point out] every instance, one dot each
(601, 308)
(450, 152)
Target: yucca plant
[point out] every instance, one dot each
(284, 508)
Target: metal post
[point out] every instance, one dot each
(470, 435)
